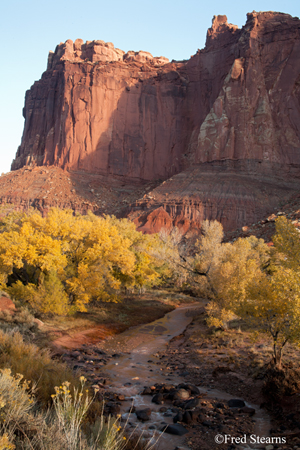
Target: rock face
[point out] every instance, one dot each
(226, 122)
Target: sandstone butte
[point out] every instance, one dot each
(167, 143)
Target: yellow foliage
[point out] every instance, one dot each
(209, 248)
(273, 302)
(224, 271)
(5, 443)
(61, 258)
(48, 297)
(15, 397)
(240, 263)
(228, 269)
(287, 243)
(217, 316)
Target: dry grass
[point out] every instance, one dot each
(34, 364)
(23, 425)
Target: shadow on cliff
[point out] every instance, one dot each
(145, 138)
(142, 145)
(151, 135)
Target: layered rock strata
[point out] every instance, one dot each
(234, 105)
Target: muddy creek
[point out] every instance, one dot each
(129, 373)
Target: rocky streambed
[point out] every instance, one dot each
(153, 397)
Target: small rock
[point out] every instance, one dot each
(176, 429)
(143, 414)
(184, 374)
(147, 391)
(236, 403)
(192, 403)
(178, 417)
(247, 410)
(187, 418)
(168, 387)
(206, 423)
(220, 405)
(158, 399)
(181, 394)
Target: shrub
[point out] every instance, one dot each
(15, 398)
(35, 365)
(16, 403)
(70, 409)
(48, 297)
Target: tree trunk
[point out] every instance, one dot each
(277, 353)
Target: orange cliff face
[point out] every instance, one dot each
(221, 130)
(103, 111)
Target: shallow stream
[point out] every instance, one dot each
(129, 373)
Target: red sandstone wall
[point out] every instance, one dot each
(233, 108)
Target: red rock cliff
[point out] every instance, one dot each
(233, 108)
(101, 110)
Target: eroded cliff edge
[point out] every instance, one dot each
(221, 130)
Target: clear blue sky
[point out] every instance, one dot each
(30, 28)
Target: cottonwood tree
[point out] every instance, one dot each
(238, 264)
(248, 279)
(193, 267)
(273, 305)
(273, 298)
(172, 252)
(79, 258)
